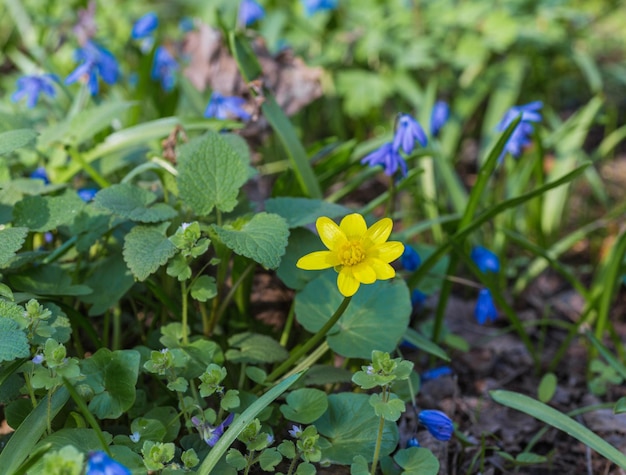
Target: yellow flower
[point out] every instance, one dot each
(359, 254)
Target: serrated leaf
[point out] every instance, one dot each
(48, 280)
(262, 239)
(14, 139)
(210, 174)
(302, 211)
(253, 348)
(146, 249)
(11, 240)
(13, 341)
(45, 213)
(133, 203)
(304, 405)
(204, 288)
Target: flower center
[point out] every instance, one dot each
(351, 253)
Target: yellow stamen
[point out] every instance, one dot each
(351, 253)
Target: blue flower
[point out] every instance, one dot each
(520, 137)
(101, 464)
(408, 130)
(38, 359)
(40, 174)
(145, 26)
(418, 298)
(226, 107)
(435, 373)
(410, 259)
(96, 60)
(412, 442)
(388, 157)
(486, 260)
(438, 424)
(209, 433)
(249, 12)
(314, 6)
(32, 86)
(438, 117)
(87, 194)
(485, 309)
(164, 68)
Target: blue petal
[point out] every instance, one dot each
(145, 26)
(485, 260)
(438, 424)
(101, 464)
(485, 309)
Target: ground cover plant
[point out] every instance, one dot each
(312, 237)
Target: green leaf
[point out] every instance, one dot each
(421, 342)
(235, 459)
(112, 375)
(45, 213)
(362, 90)
(146, 249)
(547, 387)
(48, 280)
(620, 406)
(560, 421)
(241, 422)
(14, 139)
(262, 239)
(11, 240)
(304, 405)
(204, 288)
(389, 410)
(110, 281)
(382, 305)
(253, 348)
(302, 211)
(24, 439)
(301, 242)
(417, 461)
(349, 424)
(133, 203)
(13, 341)
(210, 174)
(148, 429)
(269, 458)
(359, 466)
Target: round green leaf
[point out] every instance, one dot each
(547, 387)
(376, 318)
(417, 460)
(350, 425)
(305, 405)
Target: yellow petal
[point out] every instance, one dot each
(317, 260)
(329, 232)
(387, 251)
(364, 273)
(383, 270)
(379, 232)
(353, 226)
(346, 282)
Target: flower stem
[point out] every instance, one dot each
(311, 343)
(184, 311)
(379, 437)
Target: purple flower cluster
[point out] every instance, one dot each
(96, 61)
(520, 137)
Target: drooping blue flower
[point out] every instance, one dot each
(249, 12)
(40, 174)
(486, 260)
(418, 298)
(388, 157)
(145, 26)
(314, 6)
(520, 137)
(412, 442)
(435, 373)
(31, 87)
(209, 433)
(438, 424)
(408, 130)
(410, 259)
(96, 61)
(438, 117)
(100, 463)
(485, 309)
(164, 68)
(226, 107)
(87, 194)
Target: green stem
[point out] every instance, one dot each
(299, 352)
(284, 338)
(91, 171)
(117, 328)
(217, 315)
(184, 315)
(379, 437)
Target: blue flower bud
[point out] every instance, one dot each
(410, 259)
(101, 464)
(438, 424)
(485, 309)
(486, 260)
